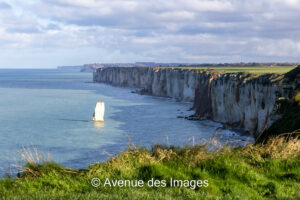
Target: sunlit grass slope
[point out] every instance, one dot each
(252, 70)
(269, 171)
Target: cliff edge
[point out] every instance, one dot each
(239, 99)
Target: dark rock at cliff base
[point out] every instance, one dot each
(141, 92)
(193, 118)
(231, 125)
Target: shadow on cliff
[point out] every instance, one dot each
(289, 123)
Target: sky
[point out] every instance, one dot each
(50, 33)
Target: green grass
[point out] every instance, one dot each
(259, 70)
(269, 171)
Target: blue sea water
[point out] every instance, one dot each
(51, 110)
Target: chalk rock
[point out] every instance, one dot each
(99, 111)
(247, 102)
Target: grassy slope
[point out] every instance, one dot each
(252, 172)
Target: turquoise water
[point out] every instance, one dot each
(51, 110)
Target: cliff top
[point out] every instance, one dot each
(254, 70)
(272, 73)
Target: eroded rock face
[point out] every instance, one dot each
(233, 98)
(248, 104)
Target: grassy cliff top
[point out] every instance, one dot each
(269, 171)
(258, 70)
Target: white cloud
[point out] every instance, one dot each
(289, 3)
(157, 30)
(176, 16)
(208, 5)
(278, 48)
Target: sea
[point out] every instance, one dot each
(49, 112)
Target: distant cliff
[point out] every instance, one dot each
(237, 99)
(77, 67)
(90, 67)
(82, 68)
(94, 66)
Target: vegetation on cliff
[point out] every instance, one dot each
(253, 70)
(265, 171)
(289, 123)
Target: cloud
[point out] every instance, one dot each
(4, 6)
(157, 30)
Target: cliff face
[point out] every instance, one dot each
(233, 98)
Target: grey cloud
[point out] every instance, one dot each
(226, 17)
(181, 30)
(4, 6)
(52, 26)
(30, 30)
(244, 20)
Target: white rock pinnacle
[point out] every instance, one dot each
(99, 111)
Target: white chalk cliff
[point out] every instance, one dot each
(233, 98)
